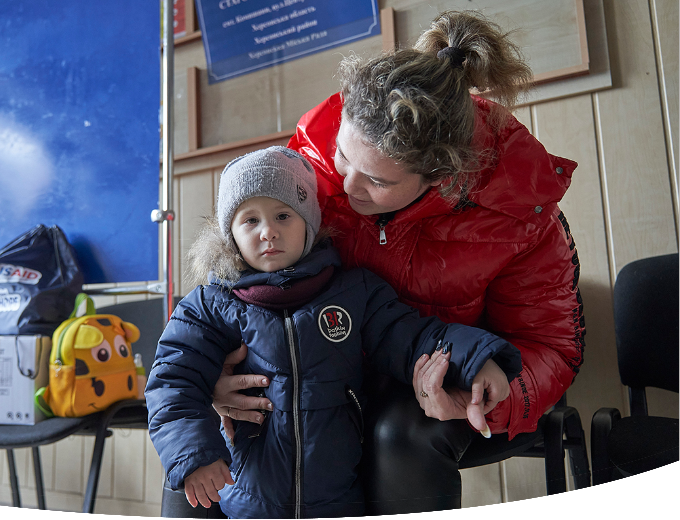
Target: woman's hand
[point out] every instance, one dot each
(229, 402)
(489, 387)
(428, 378)
(204, 484)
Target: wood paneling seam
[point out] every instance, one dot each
(504, 481)
(665, 112)
(534, 121)
(604, 190)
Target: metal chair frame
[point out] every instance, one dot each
(558, 431)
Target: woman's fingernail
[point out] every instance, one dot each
(447, 347)
(269, 407)
(486, 432)
(439, 345)
(265, 382)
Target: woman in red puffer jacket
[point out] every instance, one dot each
(453, 202)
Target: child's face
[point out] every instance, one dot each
(269, 233)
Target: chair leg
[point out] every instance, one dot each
(95, 467)
(578, 453)
(601, 424)
(37, 469)
(555, 476)
(13, 479)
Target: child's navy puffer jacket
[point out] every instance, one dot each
(302, 461)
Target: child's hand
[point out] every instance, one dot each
(489, 387)
(204, 483)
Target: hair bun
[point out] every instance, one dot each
(455, 54)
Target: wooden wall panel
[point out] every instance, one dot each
(634, 161)
(638, 181)
(176, 232)
(154, 475)
(23, 464)
(307, 82)
(105, 485)
(523, 478)
(567, 128)
(68, 465)
(665, 24)
(128, 479)
(481, 486)
(239, 108)
(523, 115)
(180, 130)
(196, 201)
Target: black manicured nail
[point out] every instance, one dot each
(439, 345)
(447, 348)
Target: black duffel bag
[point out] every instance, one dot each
(39, 281)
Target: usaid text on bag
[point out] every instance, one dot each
(39, 281)
(13, 274)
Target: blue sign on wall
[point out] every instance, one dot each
(241, 36)
(79, 129)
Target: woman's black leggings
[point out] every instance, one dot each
(410, 461)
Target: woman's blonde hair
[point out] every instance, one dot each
(415, 107)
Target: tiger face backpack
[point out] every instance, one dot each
(91, 364)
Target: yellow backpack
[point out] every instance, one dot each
(91, 364)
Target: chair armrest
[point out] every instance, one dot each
(610, 491)
(600, 427)
(560, 421)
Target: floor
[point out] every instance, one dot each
(7, 511)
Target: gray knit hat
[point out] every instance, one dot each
(276, 172)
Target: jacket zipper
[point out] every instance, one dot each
(296, 412)
(382, 221)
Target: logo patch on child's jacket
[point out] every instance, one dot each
(335, 323)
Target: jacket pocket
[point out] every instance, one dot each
(248, 430)
(355, 411)
(245, 436)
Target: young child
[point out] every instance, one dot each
(309, 327)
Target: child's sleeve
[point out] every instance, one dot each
(394, 336)
(182, 423)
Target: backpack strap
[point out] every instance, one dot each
(40, 400)
(89, 306)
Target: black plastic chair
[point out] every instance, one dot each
(646, 324)
(130, 413)
(558, 431)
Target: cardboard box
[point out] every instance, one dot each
(24, 368)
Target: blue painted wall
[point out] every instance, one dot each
(79, 129)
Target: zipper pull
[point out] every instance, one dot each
(382, 221)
